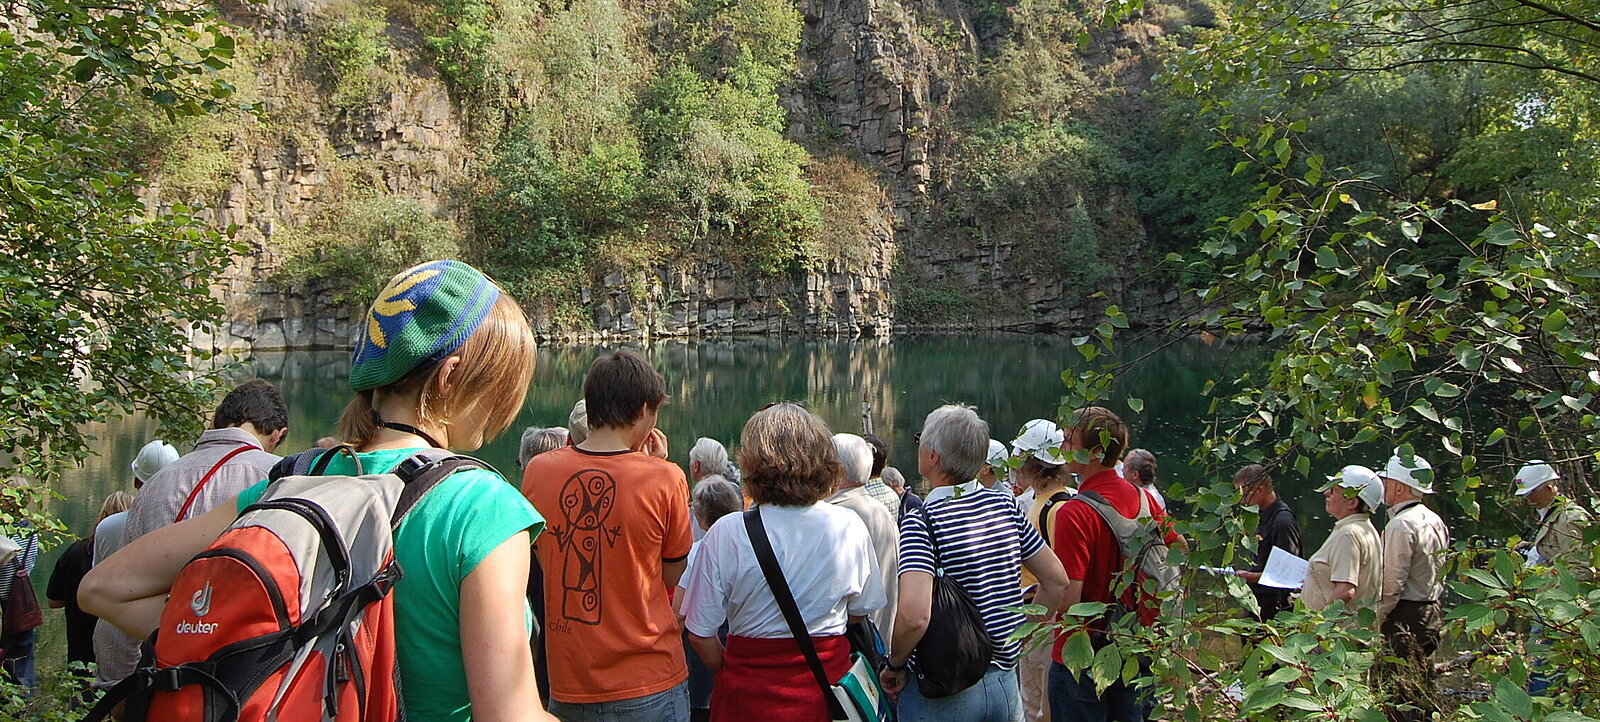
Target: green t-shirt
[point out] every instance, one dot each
(442, 540)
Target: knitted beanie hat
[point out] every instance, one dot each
(420, 318)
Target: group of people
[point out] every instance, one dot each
(649, 599)
(1398, 574)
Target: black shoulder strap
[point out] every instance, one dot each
(311, 462)
(791, 612)
(1044, 514)
(423, 471)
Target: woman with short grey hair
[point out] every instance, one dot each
(980, 540)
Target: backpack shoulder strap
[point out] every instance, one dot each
(423, 471)
(1123, 528)
(312, 462)
(791, 611)
(1044, 513)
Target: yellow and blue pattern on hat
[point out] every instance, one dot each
(421, 317)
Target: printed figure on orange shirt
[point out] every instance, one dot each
(586, 502)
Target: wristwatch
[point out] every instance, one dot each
(892, 667)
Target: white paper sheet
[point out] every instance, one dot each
(1284, 570)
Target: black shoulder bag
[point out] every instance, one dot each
(955, 651)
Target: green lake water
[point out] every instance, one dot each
(714, 386)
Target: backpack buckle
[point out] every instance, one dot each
(413, 467)
(169, 679)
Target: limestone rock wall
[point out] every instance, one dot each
(871, 82)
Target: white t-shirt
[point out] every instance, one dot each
(1161, 501)
(109, 536)
(826, 557)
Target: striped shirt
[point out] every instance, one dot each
(982, 540)
(22, 562)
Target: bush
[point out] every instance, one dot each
(353, 46)
(360, 245)
(1026, 183)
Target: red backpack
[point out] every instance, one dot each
(288, 615)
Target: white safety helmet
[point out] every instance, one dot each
(1410, 475)
(1534, 475)
(1042, 439)
(997, 456)
(1360, 477)
(152, 458)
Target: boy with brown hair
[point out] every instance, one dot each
(618, 540)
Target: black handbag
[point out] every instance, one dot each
(867, 641)
(955, 651)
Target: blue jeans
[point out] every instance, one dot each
(18, 665)
(995, 698)
(667, 706)
(1073, 699)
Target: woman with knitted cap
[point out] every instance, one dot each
(444, 360)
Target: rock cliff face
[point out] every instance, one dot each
(871, 84)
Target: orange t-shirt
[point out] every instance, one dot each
(613, 519)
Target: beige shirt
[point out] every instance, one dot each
(1414, 542)
(163, 495)
(1352, 554)
(885, 534)
(1040, 499)
(1560, 533)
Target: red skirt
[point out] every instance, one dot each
(771, 676)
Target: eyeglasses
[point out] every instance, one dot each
(916, 438)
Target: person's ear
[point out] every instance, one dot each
(441, 382)
(279, 435)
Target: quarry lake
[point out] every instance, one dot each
(714, 386)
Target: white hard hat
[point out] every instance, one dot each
(1534, 475)
(1043, 439)
(1360, 477)
(997, 454)
(151, 458)
(1417, 475)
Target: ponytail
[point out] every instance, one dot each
(356, 424)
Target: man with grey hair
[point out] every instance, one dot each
(896, 481)
(707, 457)
(876, 485)
(856, 458)
(982, 542)
(536, 441)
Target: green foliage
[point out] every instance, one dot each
(352, 45)
(192, 159)
(357, 245)
(55, 699)
(461, 36)
(920, 303)
(98, 296)
(1392, 305)
(639, 149)
(1184, 182)
(1025, 182)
